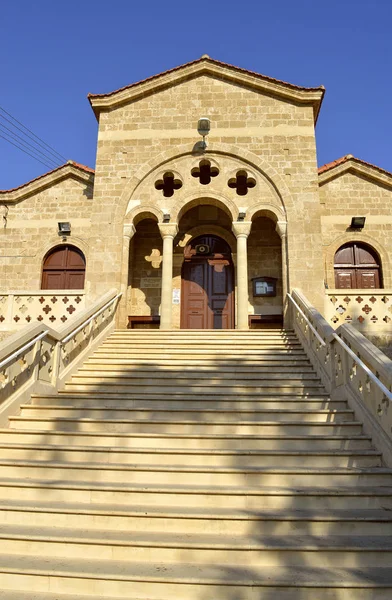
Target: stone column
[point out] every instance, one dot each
(241, 230)
(168, 232)
(128, 233)
(281, 230)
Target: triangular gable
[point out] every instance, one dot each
(208, 66)
(70, 169)
(350, 164)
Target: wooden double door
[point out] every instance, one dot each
(207, 285)
(356, 267)
(64, 269)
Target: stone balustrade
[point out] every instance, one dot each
(369, 311)
(48, 307)
(39, 358)
(350, 366)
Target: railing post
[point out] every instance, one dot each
(56, 364)
(10, 310)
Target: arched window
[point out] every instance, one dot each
(63, 269)
(357, 266)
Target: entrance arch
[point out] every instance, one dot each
(207, 284)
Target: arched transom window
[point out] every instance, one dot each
(63, 269)
(357, 266)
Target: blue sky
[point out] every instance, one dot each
(53, 53)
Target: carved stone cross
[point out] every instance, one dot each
(242, 183)
(204, 172)
(168, 184)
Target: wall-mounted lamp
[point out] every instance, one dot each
(203, 129)
(64, 228)
(241, 216)
(357, 222)
(166, 218)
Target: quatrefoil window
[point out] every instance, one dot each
(168, 184)
(205, 172)
(241, 183)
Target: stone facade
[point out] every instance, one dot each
(261, 130)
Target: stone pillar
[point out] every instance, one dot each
(128, 233)
(241, 230)
(281, 230)
(168, 232)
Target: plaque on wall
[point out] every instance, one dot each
(264, 286)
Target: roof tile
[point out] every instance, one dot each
(211, 60)
(69, 162)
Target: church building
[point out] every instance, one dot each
(205, 207)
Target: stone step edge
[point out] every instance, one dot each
(18, 418)
(297, 491)
(294, 577)
(85, 466)
(273, 411)
(186, 395)
(151, 512)
(213, 436)
(258, 400)
(181, 452)
(184, 542)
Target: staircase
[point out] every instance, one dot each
(196, 465)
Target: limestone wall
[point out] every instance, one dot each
(275, 137)
(32, 230)
(348, 195)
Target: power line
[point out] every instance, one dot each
(22, 141)
(51, 150)
(16, 146)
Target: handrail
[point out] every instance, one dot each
(23, 349)
(372, 376)
(307, 320)
(87, 321)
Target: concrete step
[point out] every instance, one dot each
(228, 364)
(182, 497)
(205, 402)
(214, 333)
(141, 377)
(151, 356)
(190, 520)
(217, 415)
(203, 549)
(192, 441)
(155, 474)
(298, 427)
(208, 457)
(158, 581)
(212, 395)
(169, 387)
(204, 370)
(235, 353)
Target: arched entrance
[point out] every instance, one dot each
(207, 284)
(357, 266)
(63, 269)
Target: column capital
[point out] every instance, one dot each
(281, 228)
(129, 230)
(241, 228)
(168, 230)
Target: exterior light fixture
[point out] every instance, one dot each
(241, 216)
(64, 228)
(203, 129)
(166, 217)
(357, 222)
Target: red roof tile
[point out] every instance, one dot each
(211, 60)
(70, 162)
(347, 158)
